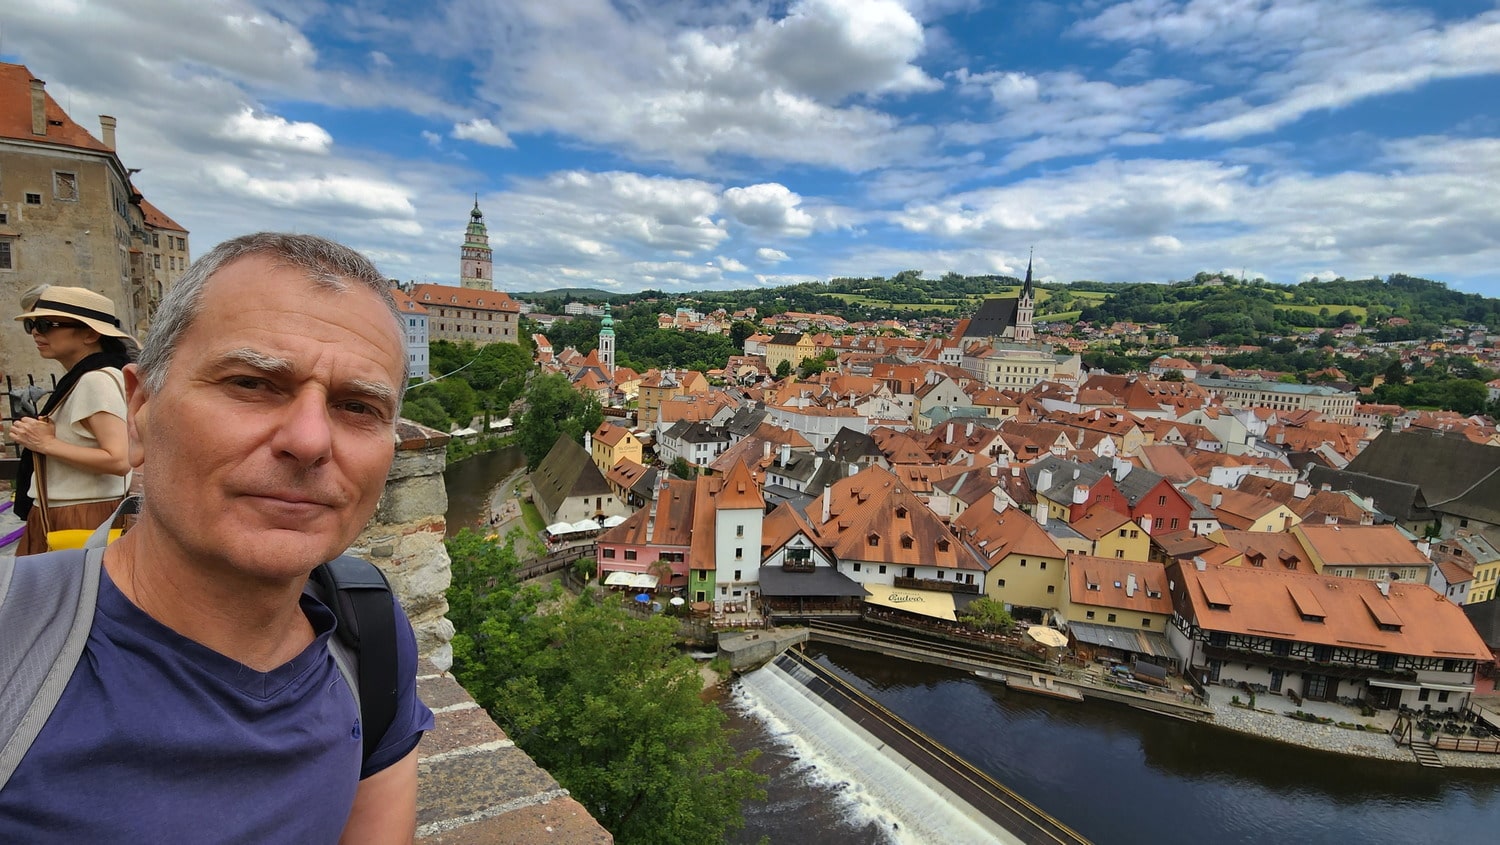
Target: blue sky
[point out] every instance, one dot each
(631, 144)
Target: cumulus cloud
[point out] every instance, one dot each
(771, 256)
(481, 131)
(268, 130)
(730, 265)
(769, 207)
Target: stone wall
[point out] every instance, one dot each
(474, 785)
(405, 539)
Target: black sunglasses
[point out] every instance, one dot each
(43, 325)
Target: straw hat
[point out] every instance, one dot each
(94, 310)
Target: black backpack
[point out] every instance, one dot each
(47, 609)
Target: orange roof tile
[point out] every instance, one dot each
(1264, 603)
(1107, 582)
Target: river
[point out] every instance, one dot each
(470, 483)
(1114, 774)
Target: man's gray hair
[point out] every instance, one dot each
(327, 264)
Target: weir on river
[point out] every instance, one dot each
(918, 790)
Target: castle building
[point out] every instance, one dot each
(476, 265)
(607, 342)
(465, 314)
(69, 215)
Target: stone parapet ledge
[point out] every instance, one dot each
(476, 786)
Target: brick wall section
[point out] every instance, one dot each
(474, 785)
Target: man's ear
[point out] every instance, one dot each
(137, 415)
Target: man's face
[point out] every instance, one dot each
(267, 448)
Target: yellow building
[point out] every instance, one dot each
(611, 443)
(1025, 564)
(791, 347)
(1129, 594)
(1113, 535)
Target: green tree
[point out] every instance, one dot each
(1172, 375)
(553, 408)
(784, 368)
(985, 612)
(604, 701)
(681, 468)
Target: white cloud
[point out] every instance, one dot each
(1064, 113)
(771, 256)
(769, 207)
(730, 265)
(245, 126)
(832, 49)
(433, 139)
(1295, 57)
(482, 131)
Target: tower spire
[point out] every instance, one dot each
(1026, 288)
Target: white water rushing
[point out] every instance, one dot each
(875, 784)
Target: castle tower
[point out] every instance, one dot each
(607, 342)
(476, 270)
(1025, 307)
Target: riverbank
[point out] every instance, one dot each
(1370, 744)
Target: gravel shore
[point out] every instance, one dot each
(1274, 726)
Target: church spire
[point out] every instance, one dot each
(1025, 308)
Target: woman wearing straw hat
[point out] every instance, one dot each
(74, 468)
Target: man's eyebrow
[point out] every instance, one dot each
(375, 390)
(256, 360)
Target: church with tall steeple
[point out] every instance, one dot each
(999, 343)
(476, 268)
(1004, 318)
(1025, 308)
(607, 343)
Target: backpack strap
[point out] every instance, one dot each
(364, 644)
(46, 612)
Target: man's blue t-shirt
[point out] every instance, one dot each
(159, 739)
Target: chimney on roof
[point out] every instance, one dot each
(107, 130)
(588, 442)
(1301, 490)
(969, 430)
(1044, 480)
(765, 450)
(38, 107)
(1425, 548)
(1325, 486)
(1384, 587)
(786, 453)
(1200, 564)
(999, 500)
(994, 470)
(948, 433)
(1040, 513)
(1080, 494)
(827, 502)
(1217, 500)
(1130, 585)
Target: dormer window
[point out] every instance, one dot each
(942, 545)
(906, 541)
(873, 540)
(901, 513)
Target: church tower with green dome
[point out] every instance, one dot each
(607, 342)
(476, 269)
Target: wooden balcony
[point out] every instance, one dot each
(938, 585)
